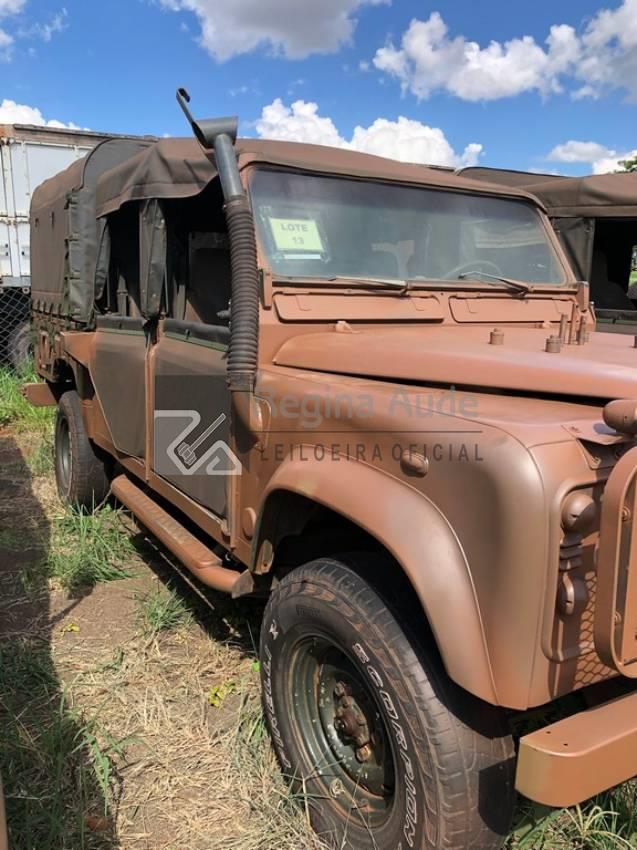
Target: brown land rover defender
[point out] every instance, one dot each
(374, 392)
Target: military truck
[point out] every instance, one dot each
(373, 393)
(595, 218)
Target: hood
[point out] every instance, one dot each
(604, 368)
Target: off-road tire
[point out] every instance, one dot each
(20, 347)
(80, 472)
(453, 754)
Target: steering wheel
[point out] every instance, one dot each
(473, 266)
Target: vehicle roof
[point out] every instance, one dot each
(106, 152)
(178, 168)
(595, 196)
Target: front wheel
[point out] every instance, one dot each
(80, 472)
(388, 751)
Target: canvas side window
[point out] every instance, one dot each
(198, 267)
(118, 270)
(611, 276)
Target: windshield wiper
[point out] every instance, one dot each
(403, 285)
(392, 283)
(518, 285)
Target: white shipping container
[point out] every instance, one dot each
(28, 156)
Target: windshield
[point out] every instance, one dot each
(327, 227)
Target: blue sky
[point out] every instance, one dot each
(457, 74)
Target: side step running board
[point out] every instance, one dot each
(199, 559)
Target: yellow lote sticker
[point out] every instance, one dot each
(296, 234)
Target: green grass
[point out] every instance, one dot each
(40, 460)
(608, 822)
(88, 548)
(162, 610)
(15, 409)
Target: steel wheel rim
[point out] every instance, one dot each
(360, 774)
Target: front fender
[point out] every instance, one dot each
(421, 540)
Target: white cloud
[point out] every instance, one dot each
(429, 60)
(19, 113)
(601, 158)
(11, 7)
(574, 151)
(610, 51)
(291, 28)
(405, 139)
(8, 7)
(6, 46)
(603, 56)
(298, 123)
(45, 32)
(411, 141)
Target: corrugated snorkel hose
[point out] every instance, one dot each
(244, 306)
(220, 134)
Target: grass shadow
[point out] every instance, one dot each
(59, 786)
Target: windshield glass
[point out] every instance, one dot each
(329, 227)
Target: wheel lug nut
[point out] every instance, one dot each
(363, 753)
(346, 702)
(336, 788)
(339, 690)
(339, 712)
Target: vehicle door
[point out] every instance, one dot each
(121, 335)
(187, 363)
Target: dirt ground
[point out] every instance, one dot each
(121, 738)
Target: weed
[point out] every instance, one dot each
(162, 610)
(607, 822)
(40, 460)
(88, 548)
(14, 407)
(218, 693)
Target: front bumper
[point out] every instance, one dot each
(573, 759)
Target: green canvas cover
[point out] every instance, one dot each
(64, 231)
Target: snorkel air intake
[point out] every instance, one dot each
(219, 135)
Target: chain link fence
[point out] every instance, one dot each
(15, 328)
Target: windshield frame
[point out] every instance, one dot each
(468, 285)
